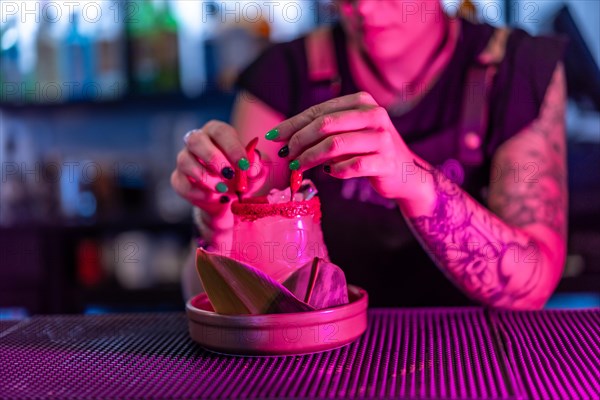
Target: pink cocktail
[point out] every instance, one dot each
(277, 238)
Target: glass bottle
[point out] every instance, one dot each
(143, 34)
(166, 48)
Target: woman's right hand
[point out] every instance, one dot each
(207, 168)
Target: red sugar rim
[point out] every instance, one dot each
(255, 208)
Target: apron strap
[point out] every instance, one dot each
(325, 81)
(475, 114)
(474, 120)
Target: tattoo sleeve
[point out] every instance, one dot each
(529, 177)
(475, 249)
(510, 255)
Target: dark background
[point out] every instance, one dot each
(94, 108)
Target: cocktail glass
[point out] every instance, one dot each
(277, 238)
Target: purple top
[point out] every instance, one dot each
(375, 247)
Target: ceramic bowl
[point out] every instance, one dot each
(278, 334)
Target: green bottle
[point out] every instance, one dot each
(143, 35)
(167, 48)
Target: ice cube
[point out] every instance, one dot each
(306, 192)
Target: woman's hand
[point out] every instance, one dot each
(207, 167)
(352, 136)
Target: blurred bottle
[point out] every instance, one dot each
(20, 171)
(194, 26)
(89, 267)
(142, 36)
(47, 192)
(47, 68)
(110, 68)
(12, 195)
(166, 48)
(132, 262)
(77, 63)
(10, 77)
(28, 28)
(211, 22)
(167, 258)
(77, 199)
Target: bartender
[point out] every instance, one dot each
(437, 146)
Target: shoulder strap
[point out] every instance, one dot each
(496, 47)
(321, 58)
(475, 102)
(474, 118)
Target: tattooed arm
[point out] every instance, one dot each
(510, 255)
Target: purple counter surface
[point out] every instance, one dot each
(405, 353)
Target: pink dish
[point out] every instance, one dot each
(278, 334)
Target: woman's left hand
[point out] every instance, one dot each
(352, 136)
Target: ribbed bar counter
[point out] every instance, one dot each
(462, 353)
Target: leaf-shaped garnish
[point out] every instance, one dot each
(319, 283)
(236, 288)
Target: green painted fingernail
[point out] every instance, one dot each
(221, 187)
(244, 164)
(272, 134)
(294, 165)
